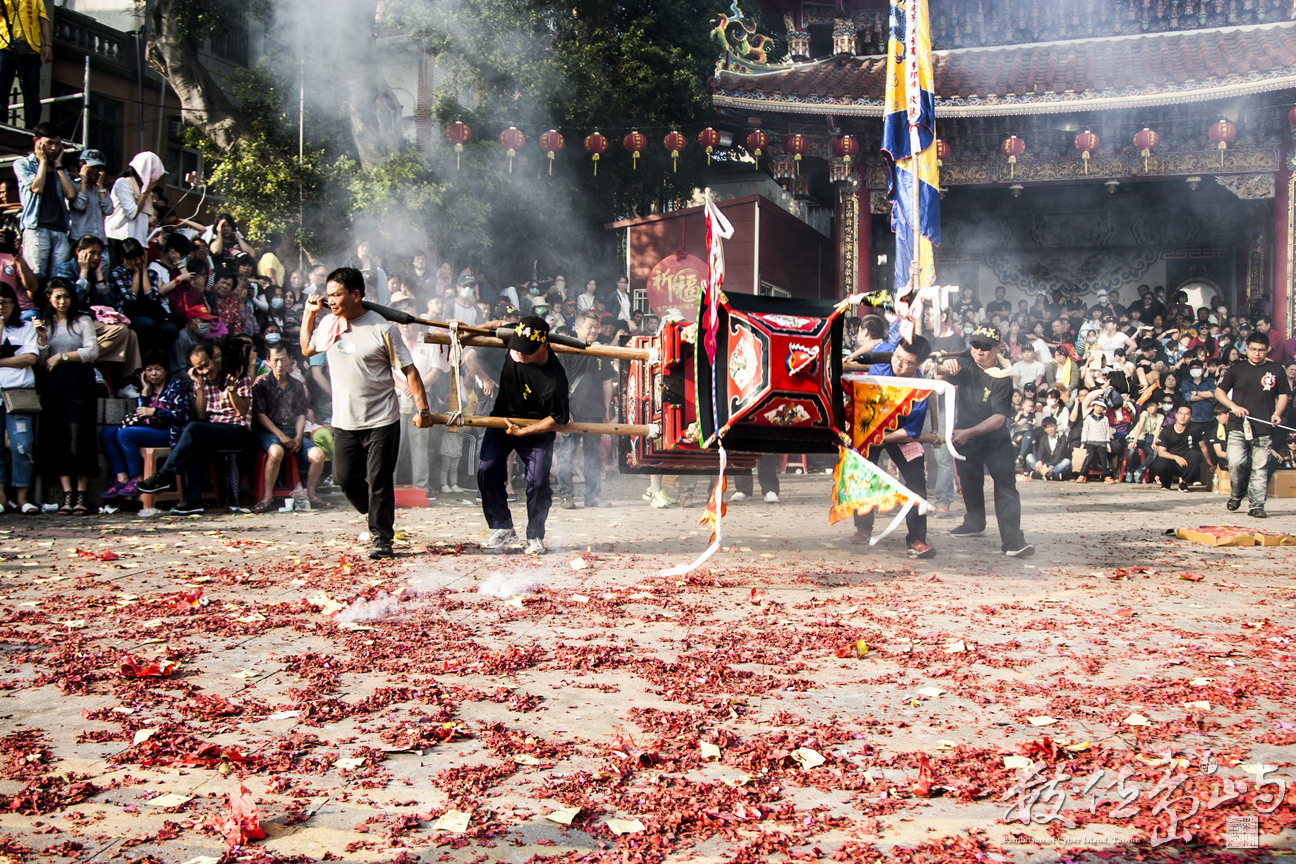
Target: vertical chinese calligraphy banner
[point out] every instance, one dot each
(674, 284)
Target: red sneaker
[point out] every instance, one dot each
(920, 549)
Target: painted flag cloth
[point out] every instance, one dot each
(860, 486)
(910, 113)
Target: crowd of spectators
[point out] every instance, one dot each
(1105, 392)
(105, 291)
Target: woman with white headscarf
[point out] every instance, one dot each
(133, 210)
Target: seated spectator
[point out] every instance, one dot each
(141, 302)
(1144, 437)
(178, 279)
(230, 308)
(163, 413)
(1023, 427)
(197, 330)
(1282, 454)
(1050, 454)
(1027, 370)
(69, 399)
(223, 420)
(1062, 371)
(1095, 437)
(279, 404)
(19, 354)
(1177, 458)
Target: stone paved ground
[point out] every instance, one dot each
(724, 716)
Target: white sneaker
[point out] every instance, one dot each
(738, 496)
(446, 490)
(771, 497)
(458, 490)
(535, 546)
(498, 538)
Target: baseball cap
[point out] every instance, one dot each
(529, 334)
(985, 337)
(93, 158)
(201, 314)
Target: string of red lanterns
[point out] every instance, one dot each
(1222, 133)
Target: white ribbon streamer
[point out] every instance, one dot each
(715, 544)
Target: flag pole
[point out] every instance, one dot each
(913, 94)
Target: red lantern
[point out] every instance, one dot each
(551, 142)
(942, 153)
(798, 145)
(710, 139)
(511, 140)
(1086, 142)
(1291, 119)
(635, 142)
(1012, 147)
(845, 146)
(459, 134)
(756, 142)
(1222, 133)
(595, 145)
(1146, 141)
(675, 142)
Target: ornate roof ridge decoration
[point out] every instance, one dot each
(1104, 73)
(1119, 37)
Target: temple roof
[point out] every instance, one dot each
(1039, 78)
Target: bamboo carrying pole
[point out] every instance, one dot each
(576, 428)
(611, 352)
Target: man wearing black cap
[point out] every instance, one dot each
(984, 402)
(532, 386)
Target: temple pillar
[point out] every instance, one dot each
(1284, 247)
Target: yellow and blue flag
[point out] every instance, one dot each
(911, 105)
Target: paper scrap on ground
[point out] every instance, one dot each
(1017, 762)
(710, 752)
(564, 816)
(168, 801)
(1137, 720)
(808, 758)
(1042, 721)
(625, 826)
(454, 821)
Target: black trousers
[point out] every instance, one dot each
(364, 465)
(1168, 470)
(914, 475)
(998, 458)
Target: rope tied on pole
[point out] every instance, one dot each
(456, 415)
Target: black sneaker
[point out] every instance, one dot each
(1183, 485)
(187, 509)
(1258, 513)
(1233, 504)
(381, 549)
(159, 482)
(965, 531)
(1025, 551)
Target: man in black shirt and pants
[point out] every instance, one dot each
(532, 386)
(984, 401)
(1255, 387)
(1176, 455)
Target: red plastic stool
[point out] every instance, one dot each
(287, 467)
(800, 461)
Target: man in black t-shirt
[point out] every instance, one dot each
(984, 403)
(532, 386)
(1177, 458)
(1252, 388)
(591, 380)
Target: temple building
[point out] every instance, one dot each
(1099, 145)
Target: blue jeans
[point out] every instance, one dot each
(44, 249)
(536, 451)
(593, 462)
(944, 477)
(22, 434)
(1038, 465)
(27, 69)
(1247, 464)
(121, 444)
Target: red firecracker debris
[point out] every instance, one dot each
(243, 822)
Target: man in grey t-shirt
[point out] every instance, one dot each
(362, 349)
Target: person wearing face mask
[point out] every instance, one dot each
(1054, 407)
(464, 309)
(1198, 391)
(197, 330)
